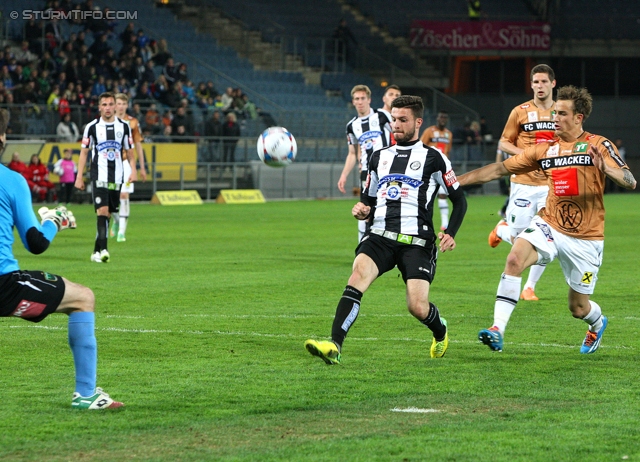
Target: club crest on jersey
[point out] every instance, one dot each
(368, 139)
(119, 134)
(415, 165)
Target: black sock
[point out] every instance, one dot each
(346, 314)
(433, 322)
(101, 239)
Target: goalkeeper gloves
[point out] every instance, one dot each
(62, 217)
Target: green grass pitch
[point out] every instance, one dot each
(203, 312)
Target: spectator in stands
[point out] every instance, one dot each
(18, 166)
(152, 120)
(162, 53)
(202, 93)
(6, 78)
(170, 72)
(227, 100)
(181, 73)
(54, 98)
(63, 105)
(99, 48)
(84, 72)
(47, 63)
(213, 130)
(40, 178)
(166, 135)
(149, 74)
(67, 130)
(189, 91)
(249, 109)
(23, 55)
(143, 40)
(473, 139)
(485, 133)
(181, 126)
(43, 85)
(33, 32)
(99, 87)
(128, 33)
(27, 94)
(231, 134)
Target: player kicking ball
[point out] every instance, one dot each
(33, 295)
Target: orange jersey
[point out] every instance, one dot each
(575, 204)
(135, 128)
(527, 126)
(439, 139)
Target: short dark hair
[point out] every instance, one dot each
(543, 69)
(412, 102)
(106, 94)
(582, 100)
(391, 87)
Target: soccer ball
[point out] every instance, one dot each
(277, 147)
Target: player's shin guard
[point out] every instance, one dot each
(346, 314)
(82, 341)
(433, 322)
(506, 300)
(101, 237)
(444, 213)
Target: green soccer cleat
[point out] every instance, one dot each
(121, 237)
(327, 351)
(438, 349)
(100, 400)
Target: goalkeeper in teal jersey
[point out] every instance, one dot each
(33, 295)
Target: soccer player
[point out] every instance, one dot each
(529, 124)
(33, 295)
(109, 141)
(391, 92)
(400, 189)
(571, 225)
(369, 131)
(440, 137)
(120, 219)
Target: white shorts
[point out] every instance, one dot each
(579, 259)
(126, 186)
(524, 203)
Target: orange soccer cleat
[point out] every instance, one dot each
(528, 294)
(494, 240)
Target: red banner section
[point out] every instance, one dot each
(481, 35)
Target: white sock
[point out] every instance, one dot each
(122, 225)
(504, 233)
(594, 318)
(444, 212)
(534, 276)
(506, 299)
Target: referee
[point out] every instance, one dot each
(108, 139)
(400, 190)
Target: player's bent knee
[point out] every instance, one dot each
(77, 298)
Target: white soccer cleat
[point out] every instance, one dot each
(99, 400)
(62, 217)
(104, 256)
(95, 257)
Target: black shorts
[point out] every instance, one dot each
(30, 295)
(106, 196)
(413, 261)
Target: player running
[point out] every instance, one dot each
(571, 225)
(529, 124)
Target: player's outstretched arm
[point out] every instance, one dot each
(620, 176)
(483, 174)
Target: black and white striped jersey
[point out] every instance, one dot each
(106, 143)
(371, 132)
(402, 185)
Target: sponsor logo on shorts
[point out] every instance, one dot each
(546, 231)
(50, 277)
(27, 309)
(522, 203)
(424, 270)
(98, 200)
(587, 277)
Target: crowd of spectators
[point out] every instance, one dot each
(63, 75)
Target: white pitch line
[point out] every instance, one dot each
(301, 337)
(414, 410)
